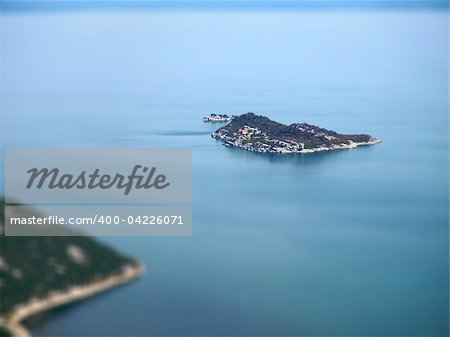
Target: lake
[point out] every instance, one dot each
(348, 243)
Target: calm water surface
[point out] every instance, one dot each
(351, 243)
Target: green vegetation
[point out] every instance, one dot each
(4, 332)
(34, 266)
(311, 135)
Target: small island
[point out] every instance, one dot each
(217, 118)
(261, 134)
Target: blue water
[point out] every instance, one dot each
(350, 243)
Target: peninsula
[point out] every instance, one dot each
(40, 273)
(261, 134)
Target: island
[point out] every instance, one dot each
(217, 118)
(261, 134)
(38, 273)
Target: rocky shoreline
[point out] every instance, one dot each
(352, 145)
(12, 321)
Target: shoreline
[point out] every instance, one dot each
(280, 150)
(75, 293)
(352, 145)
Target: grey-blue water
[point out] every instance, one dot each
(350, 243)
